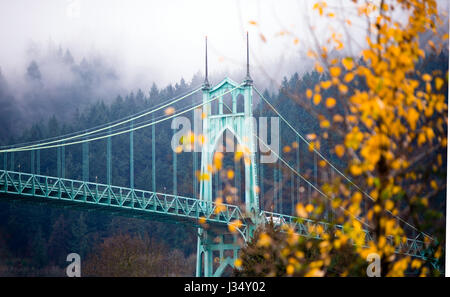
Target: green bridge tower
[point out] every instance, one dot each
(217, 248)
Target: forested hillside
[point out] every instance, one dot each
(35, 239)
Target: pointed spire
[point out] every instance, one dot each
(248, 79)
(206, 82)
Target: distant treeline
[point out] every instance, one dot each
(34, 240)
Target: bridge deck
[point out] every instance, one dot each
(136, 203)
(113, 199)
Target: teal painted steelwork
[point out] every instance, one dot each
(85, 166)
(63, 162)
(131, 156)
(32, 155)
(275, 189)
(29, 187)
(241, 125)
(153, 157)
(38, 161)
(12, 162)
(214, 240)
(412, 247)
(174, 172)
(58, 162)
(297, 163)
(108, 160)
(194, 173)
(292, 187)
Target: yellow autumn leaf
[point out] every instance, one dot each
(426, 77)
(343, 88)
(412, 116)
(330, 102)
(389, 205)
(348, 77)
(311, 136)
(301, 212)
(203, 176)
(290, 269)
(178, 149)
(317, 98)
(238, 263)
(286, 149)
(355, 170)
(325, 84)
(338, 118)
(169, 110)
(319, 67)
(264, 240)
(439, 82)
(324, 124)
(263, 38)
(348, 63)
(335, 71)
(340, 150)
(434, 184)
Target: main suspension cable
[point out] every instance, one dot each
(336, 169)
(119, 132)
(109, 125)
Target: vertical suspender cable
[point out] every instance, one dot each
(131, 156)
(108, 159)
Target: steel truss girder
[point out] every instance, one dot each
(305, 227)
(140, 204)
(75, 192)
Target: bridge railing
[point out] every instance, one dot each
(20, 185)
(306, 227)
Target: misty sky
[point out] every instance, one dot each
(159, 41)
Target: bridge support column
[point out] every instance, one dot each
(32, 154)
(5, 161)
(85, 160)
(216, 252)
(108, 159)
(63, 162)
(153, 156)
(38, 162)
(131, 156)
(12, 162)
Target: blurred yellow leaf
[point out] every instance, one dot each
(439, 82)
(330, 103)
(317, 98)
(348, 63)
(335, 71)
(340, 150)
(169, 110)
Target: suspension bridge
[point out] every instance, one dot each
(225, 108)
